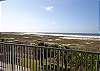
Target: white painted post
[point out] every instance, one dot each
(97, 65)
(13, 57)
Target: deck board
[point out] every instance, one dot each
(8, 67)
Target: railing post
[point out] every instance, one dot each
(12, 57)
(97, 65)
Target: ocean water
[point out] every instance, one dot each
(82, 34)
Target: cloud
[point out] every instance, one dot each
(49, 8)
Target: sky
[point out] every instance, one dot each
(64, 16)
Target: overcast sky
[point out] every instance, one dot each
(49, 16)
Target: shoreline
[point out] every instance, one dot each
(65, 36)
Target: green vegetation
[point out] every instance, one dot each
(72, 60)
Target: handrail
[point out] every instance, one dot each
(89, 52)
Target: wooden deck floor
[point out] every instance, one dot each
(8, 67)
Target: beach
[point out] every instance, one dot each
(80, 42)
(64, 36)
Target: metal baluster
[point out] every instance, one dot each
(80, 66)
(86, 62)
(92, 63)
(8, 54)
(81, 61)
(30, 58)
(1, 54)
(24, 57)
(3, 57)
(58, 60)
(33, 57)
(98, 57)
(36, 59)
(97, 63)
(21, 58)
(12, 57)
(54, 60)
(43, 58)
(71, 60)
(67, 62)
(57, 55)
(17, 56)
(27, 58)
(50, 60)
(62, 60)
(5, 46)
(46, 59)
(40, 60)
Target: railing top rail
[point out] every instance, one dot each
(73, 50)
